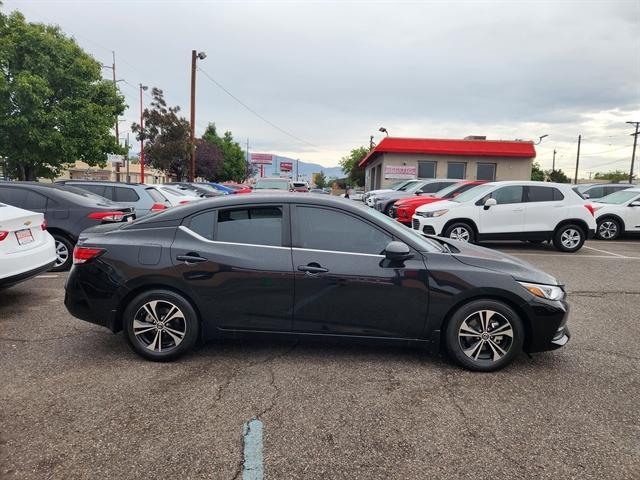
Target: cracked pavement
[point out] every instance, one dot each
(75, 402)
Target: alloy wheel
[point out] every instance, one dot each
(570, 238)
(608, 229)
(159, 326)
(62, 254)
(485, 335)
(460, 233)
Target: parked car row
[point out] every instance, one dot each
(472, 211)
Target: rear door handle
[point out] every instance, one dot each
(312, 269)
(191, 258)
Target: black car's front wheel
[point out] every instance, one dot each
(160, 325)
(484, 335)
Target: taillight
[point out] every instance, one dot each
(183, 202)
(3, 235)
(84, 254)
(107, 216)
(43, 225)
(156, 207)
(589, 207)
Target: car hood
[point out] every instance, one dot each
(378, 192)
(481, 257)
(417, 201)
(444, 204)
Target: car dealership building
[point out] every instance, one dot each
(471, 158)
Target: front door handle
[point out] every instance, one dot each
(312, 269)
(191, 258)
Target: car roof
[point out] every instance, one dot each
(105, 182)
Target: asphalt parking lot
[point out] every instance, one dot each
(75, 402)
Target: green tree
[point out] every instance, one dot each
(614, 177)
(349, 165)
(557, 176)
(537, 173)
(55, 108)
(167, 136)
(320, 179)
(234, 164)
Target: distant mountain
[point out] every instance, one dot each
(305, 169)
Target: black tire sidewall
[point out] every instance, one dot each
(453, 345)
(608, 219)
(191, 319)
(449, 229)
(66, 265)
(557, 242)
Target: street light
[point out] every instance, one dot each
(540, 139)
(142, 89)
(194, 58)
(383, 130)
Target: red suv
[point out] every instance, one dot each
(404, 208)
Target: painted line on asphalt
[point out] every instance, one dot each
(611, 257)
(46, 276)
(604, 251)
(252, 466)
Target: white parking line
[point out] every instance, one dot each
(252, 466)
(46, 276)
(611, 257)
(604, 251)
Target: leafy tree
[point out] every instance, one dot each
(55, 108)
(234, 164)
(208, 159)
(557, 176)
(537, 173)
(350, 166)
(614, 177)
(320, 179)
(168, 146)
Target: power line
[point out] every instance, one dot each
(253, 111)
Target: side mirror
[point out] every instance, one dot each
(635, 203)
(397, 252)
(586, 196)
(490, 203)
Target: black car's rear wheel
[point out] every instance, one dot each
(160, 325)
(484, 335)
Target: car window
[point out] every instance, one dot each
(13, 196)
(35, 201)
(324, 229)
(618, 197)
(97, 189)
(431, 187)
(202, 224)
(156, 195)
(505, 195)
(255, 225)
(125, 194)
(595, 192)
(544, 194)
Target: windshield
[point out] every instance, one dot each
(274, 184)
(472, 194)
(448, 190)
(620, 197)
(407, 185)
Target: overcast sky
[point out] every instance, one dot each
(331, 73)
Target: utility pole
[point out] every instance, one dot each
(142, 88)
(297, 176)
(553, 165)
(194, 59)
(633, 154)
(126, 158)
(575, 178)
(115, 85)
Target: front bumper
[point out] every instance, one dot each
(427, 225)
(548, 325)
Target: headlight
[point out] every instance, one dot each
(550, 292)
(437, 213)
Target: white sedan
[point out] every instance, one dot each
(617, 213)
(175, 196)
(26, 248)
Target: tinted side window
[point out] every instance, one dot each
(97, 189)
(124, 194)
(595, 192)
(504, 195)
(541, 194)
(431, 187)
(202, 224)
(322, 229)
(14, 196)
(257, 225)
(35, 201)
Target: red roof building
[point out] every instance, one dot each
(471, 158)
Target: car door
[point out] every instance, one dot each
(632, 216)
(507, 216)
(237, 262)
(343, 283)
(544, 207)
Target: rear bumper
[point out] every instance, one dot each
(21, 265)
(21, 277)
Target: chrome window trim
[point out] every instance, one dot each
(337, 251)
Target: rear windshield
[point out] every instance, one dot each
(156, 195)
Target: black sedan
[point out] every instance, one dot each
(297, 266)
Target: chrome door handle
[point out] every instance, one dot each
(189, 259)
(312, 269)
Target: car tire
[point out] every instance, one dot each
(477, 320)
(569, 238)
(388, 210)
(64, 253)
(460, 231)
(608, 229)
(160, 325)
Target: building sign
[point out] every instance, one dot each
(286, 166)
(261, 158)
(114, 159)
(391, 171)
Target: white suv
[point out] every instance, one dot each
(617, 213)
(533, 211)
